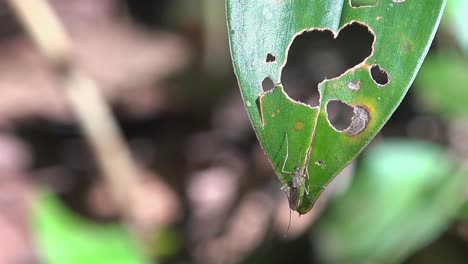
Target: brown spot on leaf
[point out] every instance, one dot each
(407, 46)
(354, 85)
(299, 126)
(358, 122)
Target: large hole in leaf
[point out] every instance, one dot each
(316, 55)
(363, 3)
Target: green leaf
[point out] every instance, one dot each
(403, 195)
(457, 10)
(66, 238)
(403, 33)
(442, 85)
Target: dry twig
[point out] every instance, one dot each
(92, 112)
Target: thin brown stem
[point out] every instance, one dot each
(92, 112)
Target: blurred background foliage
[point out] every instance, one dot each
(207, 192)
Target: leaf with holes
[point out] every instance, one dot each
(294, 134)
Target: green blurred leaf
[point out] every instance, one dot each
(457, 14)
(463, 213)
(167, 242)
(404, 194)
(442, 84)
(403, 33)
(66, 238)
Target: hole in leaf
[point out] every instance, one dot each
(343, 117)
(320, 163)
(267, 84)
(339, 114)
(315, 56)
(270, 58)
(379, 75)
(363, 3)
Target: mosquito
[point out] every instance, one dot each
(297, 176)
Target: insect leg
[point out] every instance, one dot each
(306, 187)
(306, 165)
(287, 155)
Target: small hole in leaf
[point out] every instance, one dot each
(270, 58)
(363, 3)
(320, 163)
(339, 114)
(315, 56)
(379, 75)
(267, 84)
